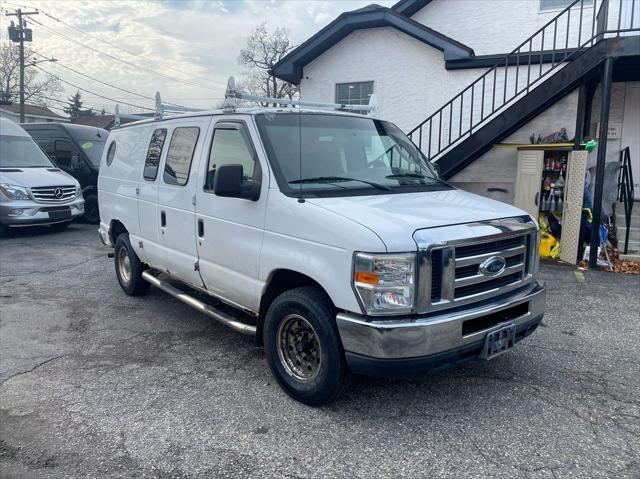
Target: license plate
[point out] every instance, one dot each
(499, 341)
(60, 214)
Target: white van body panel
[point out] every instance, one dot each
(297, 238)
(397, 216)
(148, 212)
(229, 250)
(178, 238)
(118, 182)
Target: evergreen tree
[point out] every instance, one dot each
(74, 109)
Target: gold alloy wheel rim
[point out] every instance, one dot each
(298, 348)
(124, 265)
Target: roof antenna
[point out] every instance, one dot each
(373, 103)
(158, 115)
(230, 96)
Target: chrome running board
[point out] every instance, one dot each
(210, 311)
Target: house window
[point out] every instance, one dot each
(560, 4)
(355, 93)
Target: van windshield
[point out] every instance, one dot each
(21, 152)
(339, 154)
(93, 150)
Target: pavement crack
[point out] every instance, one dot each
(29, 371)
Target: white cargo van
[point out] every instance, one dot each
(326, 235)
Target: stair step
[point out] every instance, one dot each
(621, 222)
(634, 246)
(630, 257)
(634, 233)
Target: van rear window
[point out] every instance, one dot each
(154, 153)
(180, 154)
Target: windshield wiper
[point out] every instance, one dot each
(329, 179)
(419, 176)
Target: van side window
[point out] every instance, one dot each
(153, 154)
(180, 154)
(231, 145)
(111, 153)
(66, 154)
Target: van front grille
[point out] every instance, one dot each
(54, 194)
(459, 272)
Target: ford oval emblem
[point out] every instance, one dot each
(493, 266)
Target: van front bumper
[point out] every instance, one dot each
(412, 344)
(30, 213)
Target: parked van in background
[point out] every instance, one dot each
(326, 235)
(33, 191)
(76, 149)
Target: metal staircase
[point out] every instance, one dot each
(537, 73)
(625, 205)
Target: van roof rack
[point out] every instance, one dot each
(232, 95)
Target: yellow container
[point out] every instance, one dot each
(547, 242)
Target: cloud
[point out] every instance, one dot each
(197, 42)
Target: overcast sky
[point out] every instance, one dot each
(198, 40)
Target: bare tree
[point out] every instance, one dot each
(264, 49)
(36, 89)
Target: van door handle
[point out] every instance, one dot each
(200, 228)
(163, 219)
(537, 198)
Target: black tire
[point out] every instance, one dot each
(4, 229)
(91, 210)
(129, 270)
(59, 227)
(325, 381)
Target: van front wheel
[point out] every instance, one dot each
(129, 268)
(303, 346)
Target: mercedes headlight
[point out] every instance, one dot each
(385, 283)
(13, 192)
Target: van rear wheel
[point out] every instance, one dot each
(129, 268)
(303, 346)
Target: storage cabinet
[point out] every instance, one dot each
(538, 169)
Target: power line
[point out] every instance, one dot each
(48, 29)
(93, 93)
(105, 83)
(127, 51)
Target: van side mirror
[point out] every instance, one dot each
(228, 182)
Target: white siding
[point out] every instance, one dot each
(498, 26)
(410, 79)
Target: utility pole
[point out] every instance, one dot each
(20, 34)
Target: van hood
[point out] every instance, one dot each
(34, 177)
(394, 218)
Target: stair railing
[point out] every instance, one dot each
(575, 29)
(625, 191)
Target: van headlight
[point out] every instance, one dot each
(385, 283)
(13, 192)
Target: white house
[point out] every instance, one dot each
(472, 80)
(33, 113)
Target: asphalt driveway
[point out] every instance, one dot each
(94, 383)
